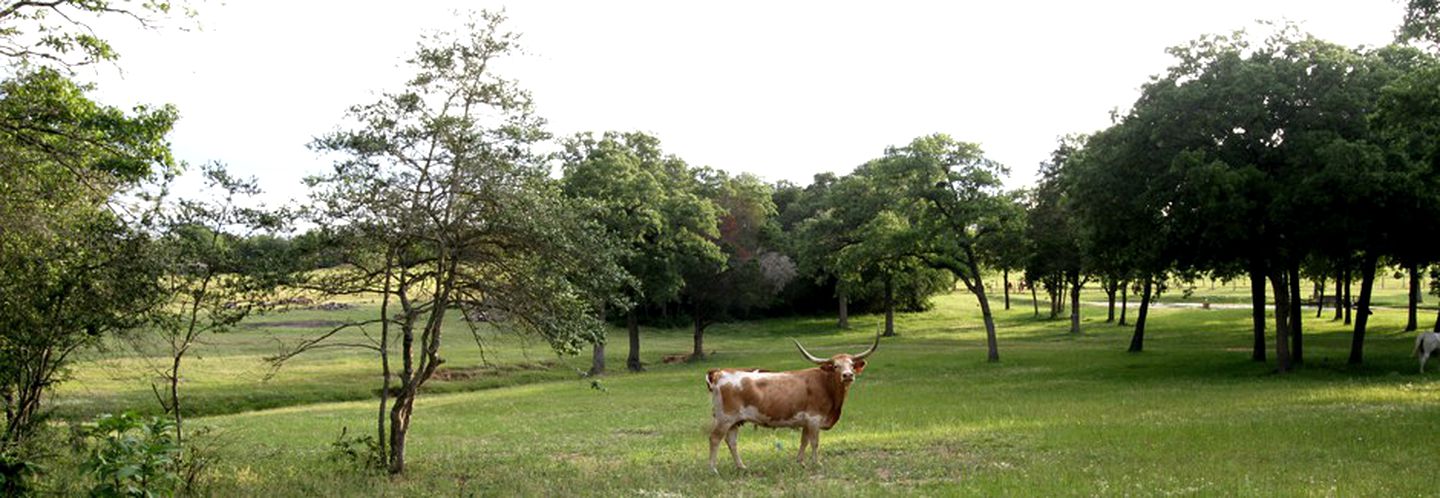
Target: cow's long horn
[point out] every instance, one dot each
(870, 351)
(807, 354)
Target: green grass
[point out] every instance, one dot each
(1059, 415)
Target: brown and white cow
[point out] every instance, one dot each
(806, 399)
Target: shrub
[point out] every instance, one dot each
(131, 456)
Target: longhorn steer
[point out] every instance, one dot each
(808, 399)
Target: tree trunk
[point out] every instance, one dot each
(1320, 297)
(699, 352)
(1362, 312)
(1056, 295)
(1257, 312)
(1034, 299)
(632, 324)
(1124, 300)
(384, 355)
(1137, 341)
(1413, 323)
(1349, 305)
(1297, 328)
(399, 428)
(1075, 303)
(1110, 296)
(992, 350)
(1279, 284)
(1005, 277)
(597, 359)
(889, 307)
(1437, 321)
(1339, 291)
(844, 311)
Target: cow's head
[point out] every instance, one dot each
(844, 365)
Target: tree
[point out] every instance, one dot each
(211, 280)
(650, 204)
(715, 290)
(1008, 249)
(75, 266)
(956, 203)
(1054, 232)
(1112, 180)
(62, 32)
(866, 237)
(443, 205)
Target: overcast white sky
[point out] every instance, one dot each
(781, 89)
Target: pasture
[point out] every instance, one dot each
(1060, 415)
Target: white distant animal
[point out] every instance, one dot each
(1427, 343)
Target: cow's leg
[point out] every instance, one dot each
(1423, 356)
(815, 446)
(717, 432)
(804, 441)
(732, 440)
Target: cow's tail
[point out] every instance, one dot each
(711, 377)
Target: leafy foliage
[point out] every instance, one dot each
(131, 456)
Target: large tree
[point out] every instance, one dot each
(75, 266)
(751, 273)
(444, 205)
(650, 204)
(954, 196)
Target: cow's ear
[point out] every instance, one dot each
(827, 366)
(858, 365)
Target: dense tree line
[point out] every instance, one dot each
(1272, 159)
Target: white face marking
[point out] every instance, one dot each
(845, 366)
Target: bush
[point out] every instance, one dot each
(131, 456)
(17, 472)
(363, 452)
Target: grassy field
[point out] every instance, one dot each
(1059, 415)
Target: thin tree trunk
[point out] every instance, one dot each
(1279, 284)
(844, 311)
(1005, 276)
(1034, 299)
(1413, 323)
(889, 307)
(175, 396)
(699, 352)
(1075, 303)
(1124, 300)
(1339, 291)
(1110, 296)
(632, 324)
(1137, 341)
(384, 359)
(1056, 300)
(1257, 312)
(1297, 324)
(1349, 305)
(992, 349)
(1320, 297)
(1362, 312)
